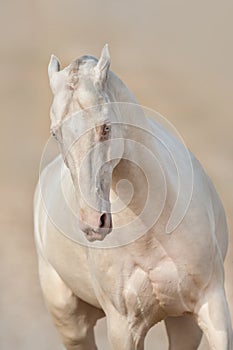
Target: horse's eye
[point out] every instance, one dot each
(106, 129)
(53, 133)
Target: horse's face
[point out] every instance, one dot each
(87, 128)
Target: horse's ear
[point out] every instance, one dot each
(103, 65)
(53, 68)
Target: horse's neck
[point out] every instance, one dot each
(118, 90)
(158, 165)
(135, 166)
(133, 113)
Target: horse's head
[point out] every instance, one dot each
(86, 125)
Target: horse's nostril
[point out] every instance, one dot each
(103, 220)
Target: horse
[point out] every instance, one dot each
(133, 266)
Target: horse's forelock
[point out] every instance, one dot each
(74, 69)
(86, 58)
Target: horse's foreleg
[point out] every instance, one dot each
(183, 333)
(213, 318)
(122, 334)
(74, 318)
(131, 311)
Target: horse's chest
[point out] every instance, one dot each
(156, 292)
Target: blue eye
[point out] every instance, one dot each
(106, 129)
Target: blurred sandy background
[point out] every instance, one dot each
(177, 57)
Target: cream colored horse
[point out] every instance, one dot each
(147, 277)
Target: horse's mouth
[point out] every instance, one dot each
(93, 235)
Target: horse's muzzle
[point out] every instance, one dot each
(95, 232)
